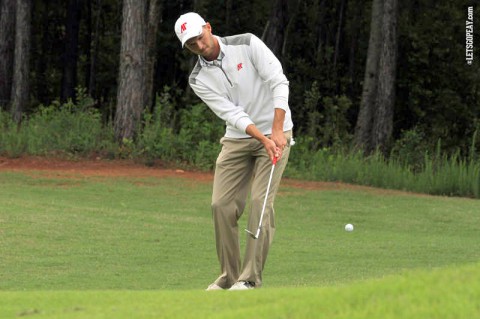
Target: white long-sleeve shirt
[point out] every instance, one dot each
(243, 86)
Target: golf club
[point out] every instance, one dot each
(255, 235)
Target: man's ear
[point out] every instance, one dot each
(209, 27)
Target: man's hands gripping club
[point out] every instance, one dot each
(274, 145)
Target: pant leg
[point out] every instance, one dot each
(232, 182)
(257, 249)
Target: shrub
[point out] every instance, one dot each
(70, 128)
(193, 140)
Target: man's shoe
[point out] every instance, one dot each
(243, 285)
(213, 287)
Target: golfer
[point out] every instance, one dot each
(243, 83)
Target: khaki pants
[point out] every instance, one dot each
(243, 166)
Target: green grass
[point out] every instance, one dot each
(446, 293)
(435, 175)
(94, 247)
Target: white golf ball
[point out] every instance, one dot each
(349, 227)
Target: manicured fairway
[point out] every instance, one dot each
(77, 245)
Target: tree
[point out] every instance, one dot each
(70, 56)
(274, 33)
(21, 77)
(7, 28)
(40, 53)
(339, 33)
(383, 117)
(132, 77)
(375, 119)
(154, 12)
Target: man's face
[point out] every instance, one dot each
(203, 44)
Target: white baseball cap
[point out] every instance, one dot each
(189, 25)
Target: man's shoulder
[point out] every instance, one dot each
(239, 39)
(192, 79)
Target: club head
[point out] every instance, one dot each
(255, 236)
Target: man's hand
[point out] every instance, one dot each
(279, 138)
(274, 145)
(272, 149)
(270, 146)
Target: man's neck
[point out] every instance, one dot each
(216, 52)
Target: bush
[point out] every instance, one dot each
(13, 139)
(326, 119)
(410, 149)
(70, 128)
(194, 140)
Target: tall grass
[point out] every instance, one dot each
(439, 174)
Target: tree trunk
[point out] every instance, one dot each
(21, 86)
(320, 21)
(131, 88)
(70, 57)
(375, 120)
(357, 7)
(339, 31)
(92, 83)
(363, 129)
(274, 32)
(41, 65)
(153, 21)
(383, 118)
(7, 47)
(87, 44)
(292, 13)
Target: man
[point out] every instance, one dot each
(243, 83)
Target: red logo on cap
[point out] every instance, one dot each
(239, 66)
(183, 28)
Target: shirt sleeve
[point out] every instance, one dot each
(270, 70)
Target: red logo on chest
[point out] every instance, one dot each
(239, 66)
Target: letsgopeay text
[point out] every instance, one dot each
(469, 36)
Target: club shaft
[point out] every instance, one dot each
(265, 202)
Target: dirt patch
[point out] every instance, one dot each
(55, 167)
(100, 167)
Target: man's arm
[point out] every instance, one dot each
(277, 129)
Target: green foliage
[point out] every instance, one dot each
(12, 138)
(437, 91)
(188, 136)
(199, 136)
(63, 127)
(70, 128)
(191, 139)
(410, 149)
(326, 119)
